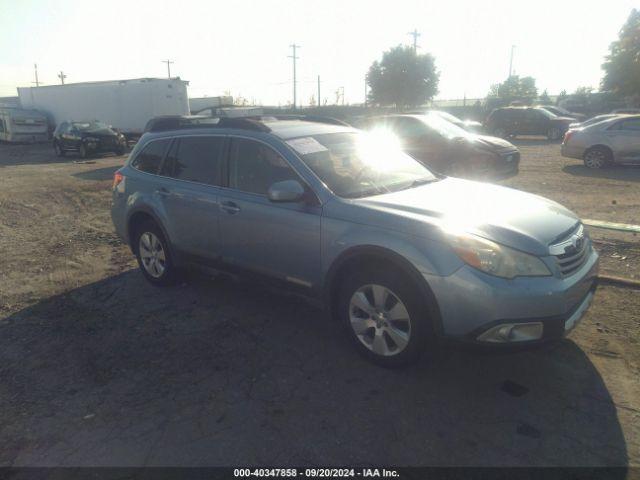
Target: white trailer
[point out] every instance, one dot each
(18, 125)
(125, 104)
(206, 103)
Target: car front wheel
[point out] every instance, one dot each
(385, 316)
(554, 133)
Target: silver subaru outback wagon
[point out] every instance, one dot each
(400, 255)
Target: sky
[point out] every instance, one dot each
(241, 47)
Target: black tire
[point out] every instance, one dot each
(58, 149)
(169, 275)
(597, 157)
(554, 134)
(421, 337)
(83, 151)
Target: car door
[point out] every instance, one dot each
(65, 137)
(625, 140)
(277, 239)
(190, 198)
(533, 122)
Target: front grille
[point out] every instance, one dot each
(572, 252)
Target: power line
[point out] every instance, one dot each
(415, 34)
(294, 58)
(168, 62)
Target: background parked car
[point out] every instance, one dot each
(563, 112)
(512, 121)
(446, 148)
(87, 138)
(616, 140)
(592, 120)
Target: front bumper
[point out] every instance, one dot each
(472, 302)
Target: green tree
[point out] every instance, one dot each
(622, 65)
(402, 78)
(544, 99)
(515, 88)
(563, 95)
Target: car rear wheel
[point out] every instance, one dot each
(554, 133)
(597, 157)
(152, 252)
(58, 149)
(384, 316)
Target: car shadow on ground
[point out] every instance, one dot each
(98, 174)
(41, 153)
(532, 141)
(628, 173)
(219, 372)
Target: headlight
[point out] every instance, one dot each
(496, 259)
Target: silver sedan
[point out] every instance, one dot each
(612, 141)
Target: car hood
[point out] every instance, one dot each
(492, 143)
(517, 219)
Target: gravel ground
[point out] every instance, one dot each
(99, 368)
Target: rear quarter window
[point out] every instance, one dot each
(150, 157)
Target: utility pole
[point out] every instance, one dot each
(415, 34)
(295, 81)
(365, 91)
(511, 61)
(318, 90)
(62, 76)
(35, 67)
(168, 62)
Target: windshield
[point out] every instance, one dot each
(443, 127)
(85, 126)
(547, 113)
(448, 116)
(360, 164)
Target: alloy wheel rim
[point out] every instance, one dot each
(152, 254)
(380, 320)
(595, 159)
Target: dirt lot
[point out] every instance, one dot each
(99, 368)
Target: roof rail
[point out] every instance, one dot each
(308, 118)
(182, 122)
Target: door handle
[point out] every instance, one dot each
(230, 207)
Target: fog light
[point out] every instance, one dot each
(513, 332)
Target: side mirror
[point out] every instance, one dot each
(285, 191)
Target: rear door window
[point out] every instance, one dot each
(150, 158)
(632, 125)
(195, 159)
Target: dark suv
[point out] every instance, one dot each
(512, 121)
(87, 138)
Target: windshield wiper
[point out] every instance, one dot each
(366, 193)
(423, 181)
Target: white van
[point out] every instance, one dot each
(18, 125)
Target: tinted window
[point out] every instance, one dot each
(254, 167)
(149, 159)
(195, 159)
